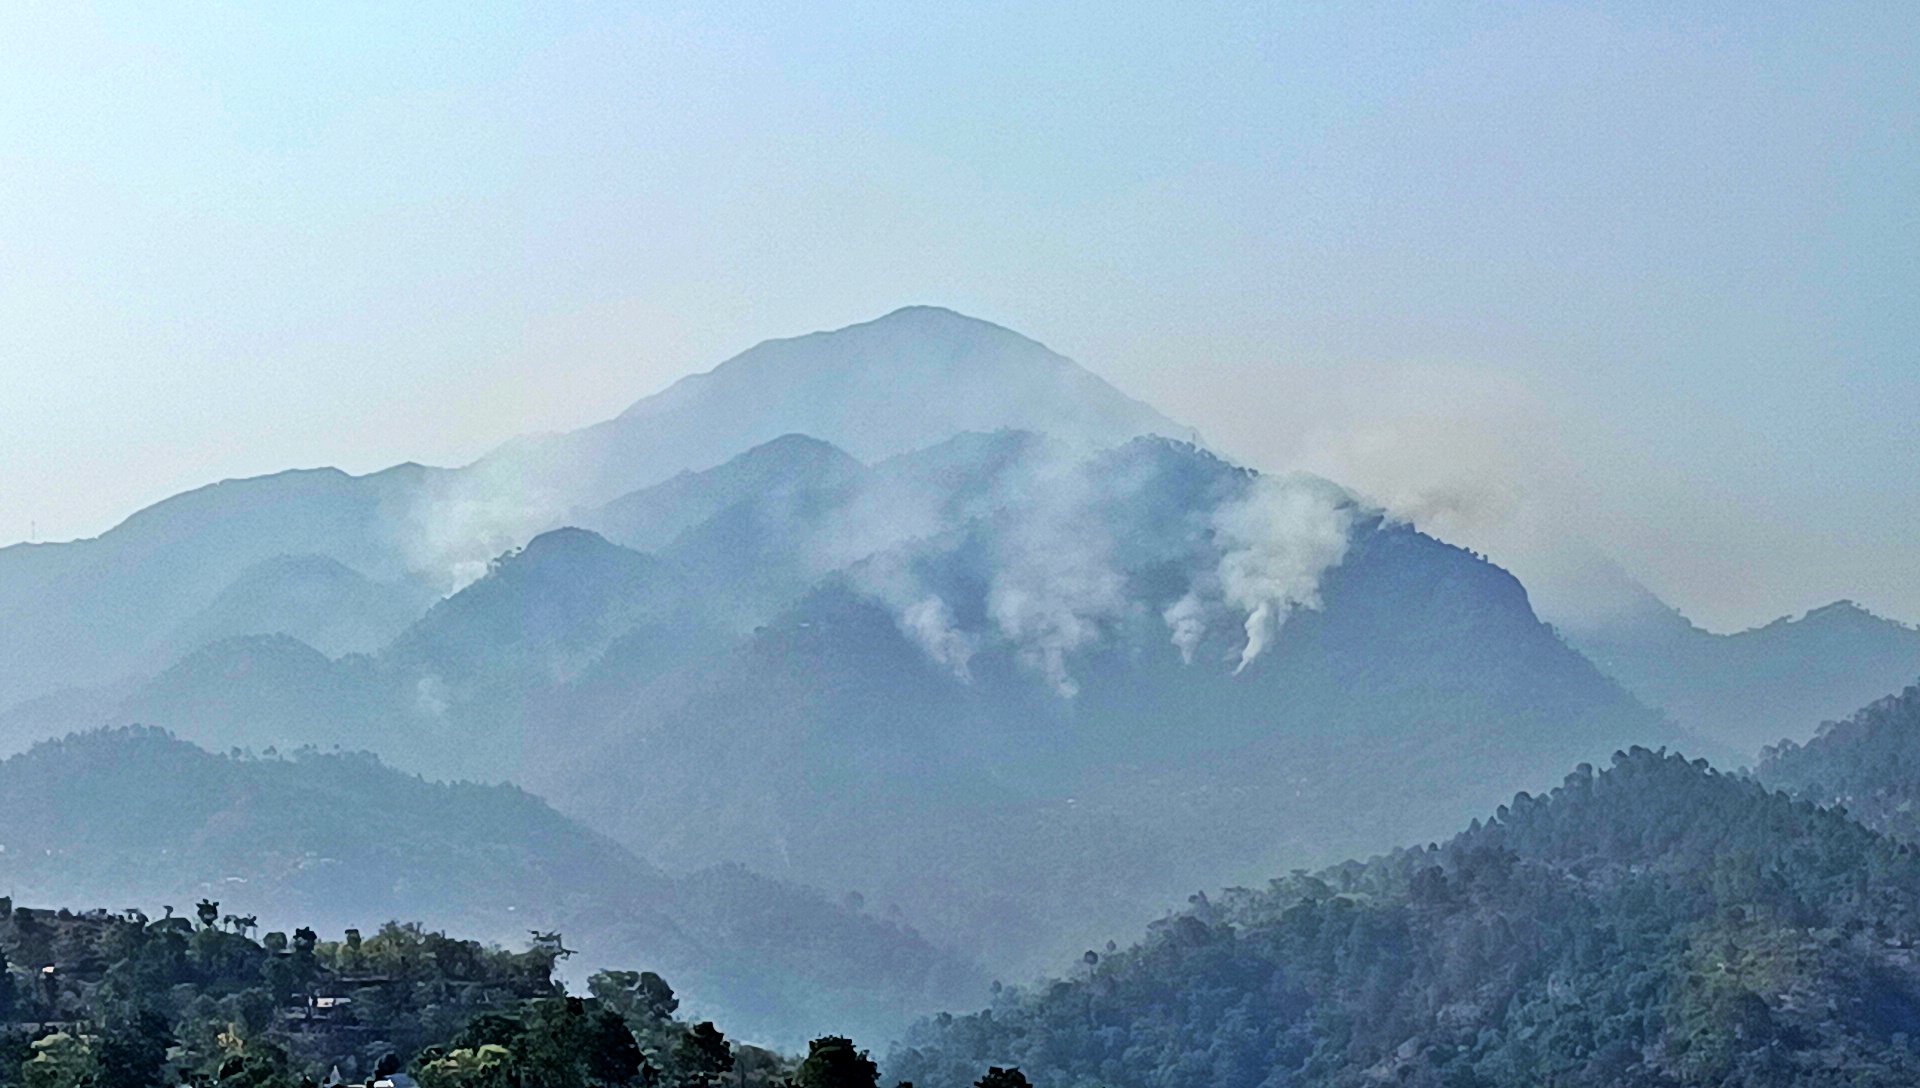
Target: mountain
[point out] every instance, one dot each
(1656, 923)
(1044, 720)
(1756, 687)
(94, 611)
(1868, 763)
(781, 470)
(1023, 693)
(902, 382)
(131, 601)
(318, 600)
(137, 816)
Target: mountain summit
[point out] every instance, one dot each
(903, 382)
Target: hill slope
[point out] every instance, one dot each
(1653, 924)
(92, 611)
(1047, 694)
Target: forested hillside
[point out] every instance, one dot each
(1016, 688)
(1656, 923)
(121, 1000)
(1868, 763)
(1031, 753)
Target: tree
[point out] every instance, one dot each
(613, 1055)
(656, 997)
(833, 1062)
(1003, 1078)
(487, 1066)
(134, 1052)
(59, 1061)
(640, 996)
(702, 1055)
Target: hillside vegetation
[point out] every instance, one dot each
(1867, 763)
(1656, 923)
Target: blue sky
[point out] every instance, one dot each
(1566, 282)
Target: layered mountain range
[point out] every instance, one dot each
(135, 816)
(916, 614)
(1752, 688)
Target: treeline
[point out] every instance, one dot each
(120, 1000)
(1654, 924)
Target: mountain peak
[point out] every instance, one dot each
(901, 382)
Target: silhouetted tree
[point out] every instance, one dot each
(702, 1055)
(833, 1062)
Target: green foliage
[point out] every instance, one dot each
(1868, 764)
(60, 1060)
(134, 1003)
(1655, 924)
(133, 1052)
(489, 1065)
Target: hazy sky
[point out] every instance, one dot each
(1562, 280)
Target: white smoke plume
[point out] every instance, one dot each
(458, 526)
(930, 623)
(1278, 540)
(922, 615)
(1187, 619)
(1056, 586)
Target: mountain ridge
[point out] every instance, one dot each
(1753, 688)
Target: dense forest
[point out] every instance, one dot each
(1656, 923)
(1865, 764)
(120, 1000)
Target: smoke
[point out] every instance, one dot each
(1187, 619)
(460, 526)
(1277, 541)
(1061, 535)
(930, 623)
(1051, 597)
(1054, 584)
(1050, 583)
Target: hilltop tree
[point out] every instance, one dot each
(641, 996)
(833, 1062)
(703, 1055)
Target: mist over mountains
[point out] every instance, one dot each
(1757, 687)
(136, 816)
(916, 611)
